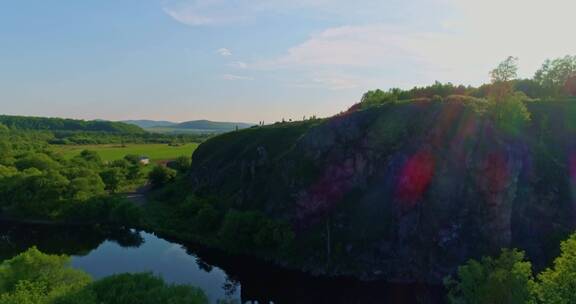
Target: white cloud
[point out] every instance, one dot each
(224, 52)
(236, 77)
(474, 40)
(393, 48)
(354, 46)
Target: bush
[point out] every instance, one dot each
(137, 288)
(510, 114)
(182, 164)
(207, 219)
(160, 176)
(34, 277)
(558, 284)
(506, 279)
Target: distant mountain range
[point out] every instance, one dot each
(194, 126)
(144, 123)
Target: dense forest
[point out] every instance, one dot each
(80, 132)
(61, 124)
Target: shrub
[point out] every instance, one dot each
(160, 176)
(207, 219)
(182, 164)
(510, 114)
(506, 279)
(34, 277)
(558, 284)
(142, 288)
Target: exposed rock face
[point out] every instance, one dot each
(400, 192)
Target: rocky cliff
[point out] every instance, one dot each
(402, 192)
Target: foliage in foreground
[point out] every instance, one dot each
(509, 279)
(36, 278)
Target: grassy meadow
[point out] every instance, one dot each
(156, 152)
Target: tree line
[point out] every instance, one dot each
(555, 79)
(62, 124)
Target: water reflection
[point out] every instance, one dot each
(103, 251)
(78, 241)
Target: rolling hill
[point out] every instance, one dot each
(194, 126)
(145, 123)
(65, 124)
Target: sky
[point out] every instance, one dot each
(257, 60)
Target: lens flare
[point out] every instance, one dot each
(415, 177)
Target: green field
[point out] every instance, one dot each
(156, 152)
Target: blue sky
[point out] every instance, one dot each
(252, 60)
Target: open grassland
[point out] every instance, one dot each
(156, 152)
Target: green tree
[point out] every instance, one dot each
(40, 161)
(34, 277)
(377, 97)
(506, 279)
(132, 158)
(506, 71)
(5, 150)
(557, 285)
(509, 113)
(91, 156)
(3, 128)
(182, 164)
(207, 219)
(136, 288)
(161, 175)
(113, 178)
(41, 194)
(85, 187)
(556, 75)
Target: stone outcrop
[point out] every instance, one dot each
(399, 192)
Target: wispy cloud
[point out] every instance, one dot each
(189, 17)
(224, 52)
(461, 49)
(355, 46)
(460, 45)
(239, 65)
(220, 12)
(232, 77)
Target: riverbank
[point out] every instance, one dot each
(218, 273)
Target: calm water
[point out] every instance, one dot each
(168, 260)
(102, 252)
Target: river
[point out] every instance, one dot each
(104, 251)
